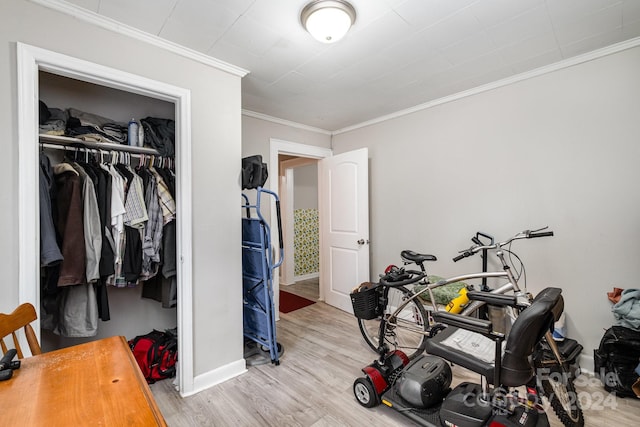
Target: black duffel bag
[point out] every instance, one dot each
(616, 360)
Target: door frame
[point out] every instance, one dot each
(277, 147)
(30, 61)
(287, 186)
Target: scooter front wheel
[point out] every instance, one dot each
(365, 392)
(558, 387)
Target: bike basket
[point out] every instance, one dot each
(366, 303)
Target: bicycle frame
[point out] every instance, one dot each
(431, 286)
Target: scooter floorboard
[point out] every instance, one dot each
(428, 417)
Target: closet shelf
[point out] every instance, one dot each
(65, 141)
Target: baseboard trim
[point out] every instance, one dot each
(306, 276)
(586, 364)
(217, 376)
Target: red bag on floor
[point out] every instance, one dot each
(156, 354)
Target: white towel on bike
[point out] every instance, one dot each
(474, 344)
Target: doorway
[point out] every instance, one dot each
(299, 154)
(344, 218)
(298, 189)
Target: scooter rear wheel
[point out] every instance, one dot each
(365, 392)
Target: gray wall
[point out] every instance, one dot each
(305, 190)
(560, 149)
(257, 132)
(216, 144)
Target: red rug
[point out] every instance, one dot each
(290, 302)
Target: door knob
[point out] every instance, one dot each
(362, 241)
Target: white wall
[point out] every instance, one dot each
(561, 149)
(216, 151)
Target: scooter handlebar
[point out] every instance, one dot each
(416, 276)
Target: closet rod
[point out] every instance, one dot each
(75, 148)
(59, 142)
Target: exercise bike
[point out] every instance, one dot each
(421, 388)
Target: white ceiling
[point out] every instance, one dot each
(399, 53)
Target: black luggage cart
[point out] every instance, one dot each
(258, 264)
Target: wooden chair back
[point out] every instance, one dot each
(11, 323)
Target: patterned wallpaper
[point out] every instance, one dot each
(305, 242)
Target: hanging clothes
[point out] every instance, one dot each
(74, 313)
(70, 225)
(113, 226)
(49, 250)
(91, 222)
(153, 230)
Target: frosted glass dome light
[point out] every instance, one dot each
(328, 20)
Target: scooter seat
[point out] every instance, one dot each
(473, 350)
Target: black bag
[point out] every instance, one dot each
(156, 354)
(254, 172)
(616, 359)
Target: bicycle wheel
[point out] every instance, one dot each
(558, 387)
(399, 337)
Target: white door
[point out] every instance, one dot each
(344, 225)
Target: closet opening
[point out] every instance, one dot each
(86, 133)
(63, 83)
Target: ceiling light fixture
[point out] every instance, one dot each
(328, 20)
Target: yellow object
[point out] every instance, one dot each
(456, 305)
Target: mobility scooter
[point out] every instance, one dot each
(507, 393)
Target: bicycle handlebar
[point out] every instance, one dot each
(543, 234)
(478, 246)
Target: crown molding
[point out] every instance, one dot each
(566, 63)
(117, 27)
(284, 122)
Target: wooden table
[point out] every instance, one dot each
(93, 384)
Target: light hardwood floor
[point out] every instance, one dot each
(323, 354)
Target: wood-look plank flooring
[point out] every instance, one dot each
(312, 387)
